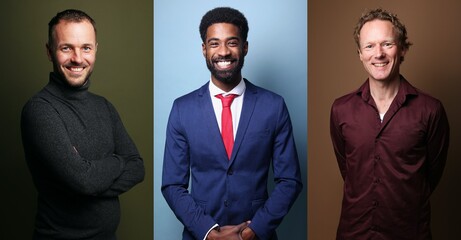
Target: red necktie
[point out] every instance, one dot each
(226, 122)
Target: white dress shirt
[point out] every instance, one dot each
(236, 106)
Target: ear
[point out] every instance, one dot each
(360, 54)
(403, 52)
(204, 49)
(245, 48)
(49, 52)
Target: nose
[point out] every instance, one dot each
(76, 56)
(224, 50)
(379, 52)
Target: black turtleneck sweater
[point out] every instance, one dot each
(81, 159)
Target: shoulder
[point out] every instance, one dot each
(262, 93)
(193, 96)
(347, 100)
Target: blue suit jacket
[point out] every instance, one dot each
(223, 191)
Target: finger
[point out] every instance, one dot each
(243, 225)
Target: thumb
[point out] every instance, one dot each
(243, 225)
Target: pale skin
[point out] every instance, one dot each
(224, 41)
(73, 51)
(381, 58)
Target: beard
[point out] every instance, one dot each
(225, 76)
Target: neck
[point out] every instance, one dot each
(384, 92)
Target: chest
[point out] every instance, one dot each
(401, 130)
(89, 125)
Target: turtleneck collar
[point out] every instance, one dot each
(59, 87)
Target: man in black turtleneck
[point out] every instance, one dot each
(79, 154)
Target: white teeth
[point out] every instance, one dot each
(380, 64)
(76, 69)
(223, 64)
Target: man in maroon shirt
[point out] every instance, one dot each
(390, 140)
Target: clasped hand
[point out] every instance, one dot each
(233, 232)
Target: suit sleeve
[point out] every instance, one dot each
(48, 146)
(338, 141)
(133, 170)
(437, 145)
(287, 178)
(175, 179)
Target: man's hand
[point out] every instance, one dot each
(229, 232)
(248, 234)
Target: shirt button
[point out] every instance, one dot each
(375, 203)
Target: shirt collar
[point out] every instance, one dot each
(237, 90)
(405, 90)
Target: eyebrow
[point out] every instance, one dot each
(73, 45)
(227, 39)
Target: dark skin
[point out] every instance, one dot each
(223, 50)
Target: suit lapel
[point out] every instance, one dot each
(249, 103)
(211, 133)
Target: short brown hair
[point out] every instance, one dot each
(384, 15)
(69, 15)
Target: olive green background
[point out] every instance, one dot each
(432, 64)
(123, 74)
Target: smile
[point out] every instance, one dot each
(380, 64)
(224, 64)
(75, 69)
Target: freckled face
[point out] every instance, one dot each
(224, 52)
(379, 51)
(73, 51)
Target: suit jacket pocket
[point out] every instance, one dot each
(264, 134)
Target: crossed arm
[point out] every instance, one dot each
(49, 147)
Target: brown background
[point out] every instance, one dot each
(433, 64)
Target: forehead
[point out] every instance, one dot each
(70, 30)
(377, 29)
(222, 31)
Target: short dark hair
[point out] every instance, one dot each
(384, 15)
(224, 15)
(69, 15)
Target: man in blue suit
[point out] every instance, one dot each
(228, 196)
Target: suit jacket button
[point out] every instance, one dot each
(226, 203)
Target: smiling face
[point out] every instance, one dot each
(379, 52)
(224, 53)
(73, 51)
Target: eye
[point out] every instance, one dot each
(86, 49)
(368, 47)
(388, 44)
(233, 43)
(213, 44)
(65, 49)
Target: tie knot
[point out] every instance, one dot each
(226, 100)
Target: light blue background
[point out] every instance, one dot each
(276, 60)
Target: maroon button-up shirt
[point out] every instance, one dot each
(390, 168)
